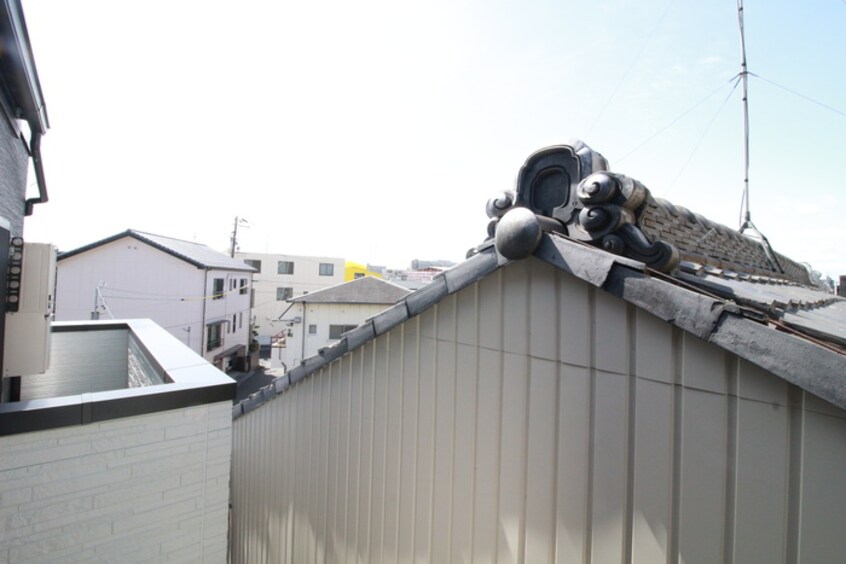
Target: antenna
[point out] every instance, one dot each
(745, 214)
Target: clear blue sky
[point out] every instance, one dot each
(376, 130)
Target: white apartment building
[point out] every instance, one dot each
(199, 295)
(280, 277)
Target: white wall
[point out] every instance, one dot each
(531, 417)
(322, 315)
(146, 283)
(146, 488)
(306, 278)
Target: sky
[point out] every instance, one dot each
(377, 130)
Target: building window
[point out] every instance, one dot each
(244, 287)
(327, 269)
(254, 263)
(335, 331)
(233, 324)
(285, 267)
(214, 337)
(217, 290)
(312, 329)
(240, 320)
(283, 294)
(358, 275)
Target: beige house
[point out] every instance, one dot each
(550, 401)
(319, 319)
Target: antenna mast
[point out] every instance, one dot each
(745, 216)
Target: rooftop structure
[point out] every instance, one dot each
(576, 386)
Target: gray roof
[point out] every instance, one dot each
(607, 230)
(366, 290)
(790, 330)
(196, 254)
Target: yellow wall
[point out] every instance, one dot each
(353, 268)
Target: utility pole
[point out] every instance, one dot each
(234, 239)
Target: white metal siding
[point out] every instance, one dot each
(533, 418)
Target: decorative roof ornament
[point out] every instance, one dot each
(569, 190)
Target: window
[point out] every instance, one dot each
(244, 288)
(254, 263)
(335, 331)
(285, 267)
(283, 294)
(240, 320)
(312, 329)
(358, 275)
(233, 324)
(213, 339)
(327, 269)
(232, 283)
(217, 290)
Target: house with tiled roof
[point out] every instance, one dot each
(606, 378)
(318, 319)
(199, 295)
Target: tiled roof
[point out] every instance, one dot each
(606, 230)
(197, 254)
(812, 362)
(366, 290)
(701, 240)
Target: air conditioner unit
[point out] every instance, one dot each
(33, 280)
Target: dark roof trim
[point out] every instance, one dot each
(18, 68)
(743, 332)
(815, 369)
(140, 237)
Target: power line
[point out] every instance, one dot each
(701, 138)
(673, 122)
(628, 70)
(800, 95)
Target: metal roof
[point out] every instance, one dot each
(193, 253)
(807, 358)
(366, 290)
(606, 229)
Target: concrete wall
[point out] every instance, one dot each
(146, 488)
(144, 282)
(306, 278)
(533, 418)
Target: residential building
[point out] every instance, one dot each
(320, 318)
(280, 277)
(201, 296)
(416, 277)
(115, 438)
(608, 378)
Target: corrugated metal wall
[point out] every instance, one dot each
(533, 418)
